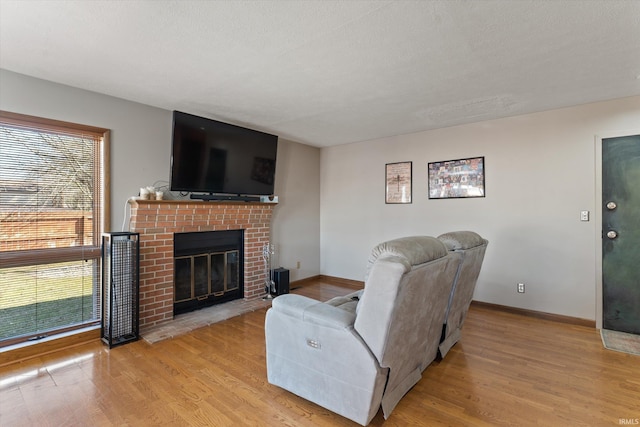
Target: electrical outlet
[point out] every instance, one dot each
(521, 288)
(584, 216)
(298, 265)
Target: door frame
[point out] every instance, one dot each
(597, 217)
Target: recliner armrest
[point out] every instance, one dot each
(313, 311)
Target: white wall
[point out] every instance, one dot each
(296, 218)
(141, 149)
(540, 173)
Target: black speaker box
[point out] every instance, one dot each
(281, 279)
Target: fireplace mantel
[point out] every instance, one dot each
(158, 220)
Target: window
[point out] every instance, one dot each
(53, 210)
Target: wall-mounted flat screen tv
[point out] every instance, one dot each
(217, 158)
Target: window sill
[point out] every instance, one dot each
(26, 350)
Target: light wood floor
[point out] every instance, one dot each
(508, 369)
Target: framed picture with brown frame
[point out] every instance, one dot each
(455, 179)
(398, 182)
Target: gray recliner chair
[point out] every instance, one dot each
(472, 248)
(355, 354)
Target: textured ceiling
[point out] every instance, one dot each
(332, 72)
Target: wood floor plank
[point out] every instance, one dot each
(508, 369)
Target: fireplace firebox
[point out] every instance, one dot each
(208, 268)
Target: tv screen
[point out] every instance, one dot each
(213, 157)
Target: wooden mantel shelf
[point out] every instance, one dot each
(182, 202)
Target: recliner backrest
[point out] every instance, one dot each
(402, 307)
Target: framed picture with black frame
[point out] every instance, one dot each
(456, 179)
(398, 182)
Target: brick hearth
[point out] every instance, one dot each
(157, 221)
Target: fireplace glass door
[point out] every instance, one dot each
(207, 269)
(202, 276)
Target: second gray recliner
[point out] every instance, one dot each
(472, 248)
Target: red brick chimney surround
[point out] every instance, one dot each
(158, 220)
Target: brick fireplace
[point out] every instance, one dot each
(158, 220)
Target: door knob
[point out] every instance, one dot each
(611, 205)
(612, 234)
